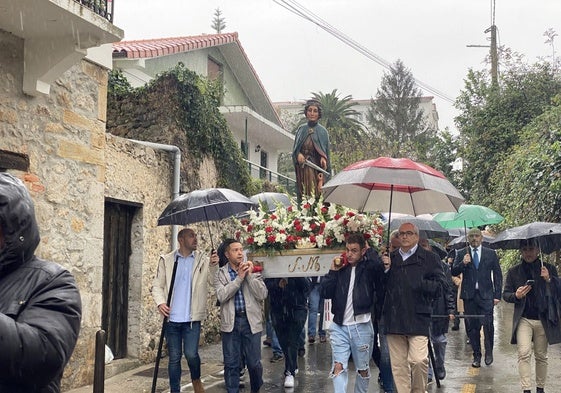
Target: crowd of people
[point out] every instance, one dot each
(394, 308)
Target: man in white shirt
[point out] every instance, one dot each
(351, 288)
(188, 304)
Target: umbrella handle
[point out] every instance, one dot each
(389, 219)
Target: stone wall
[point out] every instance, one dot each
(63, 134)
(75, 166)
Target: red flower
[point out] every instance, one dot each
(337, 216)
(289, 208)
(324, 210)
(306, 205)
(313, 226)
(250, 240)
(249, 228)
(328, 241)
(350, 214)
(271, 238)
(273, 217)
(312, 238)
(269, 229)
(367, 236)
(244, 221)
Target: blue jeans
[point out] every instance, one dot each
(356, 340)
(183, 337)
(272, 334)
(385, 363)
(439, 343)
(235, 343)
(315, 304)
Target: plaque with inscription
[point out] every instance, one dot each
(296, 263)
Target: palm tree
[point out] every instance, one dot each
(337, 112)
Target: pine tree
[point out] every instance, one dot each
(218, 23)
(395, 117)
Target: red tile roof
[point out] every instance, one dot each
(168, 46)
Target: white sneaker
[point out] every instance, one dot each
(289, 381)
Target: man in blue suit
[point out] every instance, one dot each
(481, 290)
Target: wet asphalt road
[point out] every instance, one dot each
(501, 376)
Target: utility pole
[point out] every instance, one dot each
(493, 51)
(494, 55)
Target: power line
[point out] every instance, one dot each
(298, 9)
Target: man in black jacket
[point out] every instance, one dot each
(534, 288)
(351, 288)
(40, 308)
(414, 277)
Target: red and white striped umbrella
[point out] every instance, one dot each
(392, 184)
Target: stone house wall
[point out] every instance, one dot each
(75, 166)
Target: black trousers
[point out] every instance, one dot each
(480, 306)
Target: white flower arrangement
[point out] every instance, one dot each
(311, 224)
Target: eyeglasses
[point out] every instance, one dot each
(407, 233)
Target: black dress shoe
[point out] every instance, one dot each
(476, 363)
(488, 359)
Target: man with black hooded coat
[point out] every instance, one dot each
(40, 307)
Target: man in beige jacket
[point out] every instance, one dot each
(188, 305)
(241, 293)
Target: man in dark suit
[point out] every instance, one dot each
(481, 290)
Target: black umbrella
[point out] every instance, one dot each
(461, 242)
(271, 200)
(546, 234)
(429, 229)
(210, 204)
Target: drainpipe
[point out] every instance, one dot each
(176, 176)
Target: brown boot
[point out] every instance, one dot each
(198, 386)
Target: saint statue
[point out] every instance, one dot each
(310, 154)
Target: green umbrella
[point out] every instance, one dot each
(468, 216)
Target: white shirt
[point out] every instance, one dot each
(407, 254)
(348, 316)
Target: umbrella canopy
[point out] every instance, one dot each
(394, 184)
(271, 200)
(546, 234)
(427, 228)
(469, 216)
(438, 248)
(461, 242)
(210, 204)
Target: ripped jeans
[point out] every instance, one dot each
(356, 340)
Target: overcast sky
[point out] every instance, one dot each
(294, 57)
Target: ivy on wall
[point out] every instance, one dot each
(196, 104)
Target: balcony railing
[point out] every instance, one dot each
(260, 172)
(103, 8)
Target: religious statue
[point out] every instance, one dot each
(310, 154)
